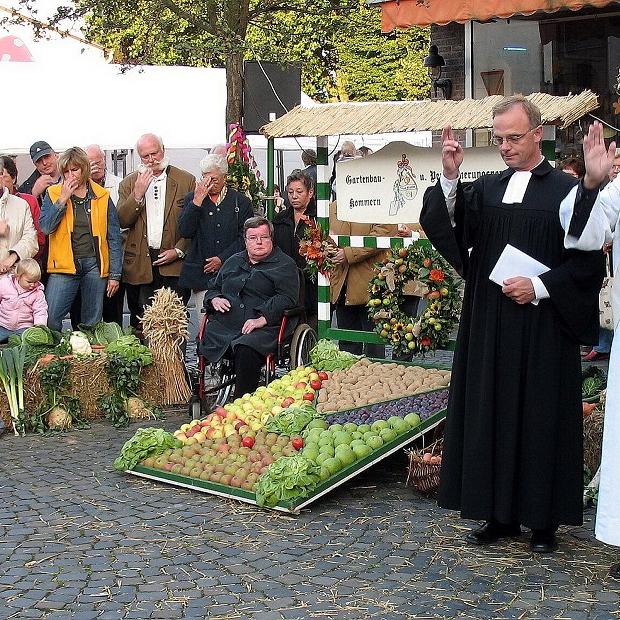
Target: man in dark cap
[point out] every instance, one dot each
(45, 160)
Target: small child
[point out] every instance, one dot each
(22, 302)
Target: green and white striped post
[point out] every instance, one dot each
(323, 173)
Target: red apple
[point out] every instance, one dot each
(323, 375)
(308, 396)
(287, 402)
(221, 412)
(247, 442)
(315, 384)
(239, 424)
(298, 443)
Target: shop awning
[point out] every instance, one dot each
(333, 119)
(402, 14)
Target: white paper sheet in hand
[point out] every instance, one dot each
(512, 262)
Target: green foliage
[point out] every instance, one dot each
(124, 376)
(55, 383)
(338, 42)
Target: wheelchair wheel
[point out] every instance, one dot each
(218, 381)
(304, 339)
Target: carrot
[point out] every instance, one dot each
(588, 408)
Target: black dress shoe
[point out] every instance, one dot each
(491, 532)
(614, 571)
(543, 541)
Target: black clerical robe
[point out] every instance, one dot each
(513, 440)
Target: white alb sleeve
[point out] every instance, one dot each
(601, 223)
(448, 187)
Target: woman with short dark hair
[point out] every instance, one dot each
(289, 229)
(246, 304)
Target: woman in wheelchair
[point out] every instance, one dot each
(246, 304)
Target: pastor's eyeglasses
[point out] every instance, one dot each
(256, 239)
(512, 139)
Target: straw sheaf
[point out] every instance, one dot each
(331, 119)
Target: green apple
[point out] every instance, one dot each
(413, 419)
(333, 464)
(373, 441)
(388, 434)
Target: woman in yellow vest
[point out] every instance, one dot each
(85, 251)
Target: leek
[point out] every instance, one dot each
(12, 378)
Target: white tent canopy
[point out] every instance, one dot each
(98, 103)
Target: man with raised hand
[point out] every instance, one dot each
(150, 202)
(513, 451)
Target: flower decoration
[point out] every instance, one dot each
(419, 271)
(318, 248)
(243, 173)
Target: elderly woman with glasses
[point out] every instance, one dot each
(85, 251)
(212, 218)
(246, 304)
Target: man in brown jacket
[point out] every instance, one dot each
(349, 281)
(150, 202)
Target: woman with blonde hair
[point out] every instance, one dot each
(85, 252)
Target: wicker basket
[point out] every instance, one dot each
(422, 476)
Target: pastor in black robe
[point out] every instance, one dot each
(513, 441)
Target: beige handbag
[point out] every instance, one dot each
(606, 318)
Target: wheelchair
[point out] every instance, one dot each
(215, 381)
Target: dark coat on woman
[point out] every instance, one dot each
(212, 231)
(266, 289)
(287, 237)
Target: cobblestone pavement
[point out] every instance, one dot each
(78, 540)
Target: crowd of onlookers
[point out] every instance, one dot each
(85, 241)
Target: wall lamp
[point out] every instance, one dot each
(434, 63)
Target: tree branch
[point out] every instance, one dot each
(209, 26)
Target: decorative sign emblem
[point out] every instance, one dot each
(405, 187)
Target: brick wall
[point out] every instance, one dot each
(450, 41)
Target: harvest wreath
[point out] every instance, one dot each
(414, 271)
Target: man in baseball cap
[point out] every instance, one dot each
(45, 160)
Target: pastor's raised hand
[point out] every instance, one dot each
(451, 153)
(597, 157)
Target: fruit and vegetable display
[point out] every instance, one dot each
(252, 411)
(233, 461)
(423, 405)
(275, 448)
(336, 446)
(369, 382)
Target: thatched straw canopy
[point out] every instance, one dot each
(331, 119)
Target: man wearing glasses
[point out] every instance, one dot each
(513, 440)
(149, 205)
(245, 305)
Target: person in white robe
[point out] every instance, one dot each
(603, 226)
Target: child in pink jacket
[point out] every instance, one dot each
(22, 303)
